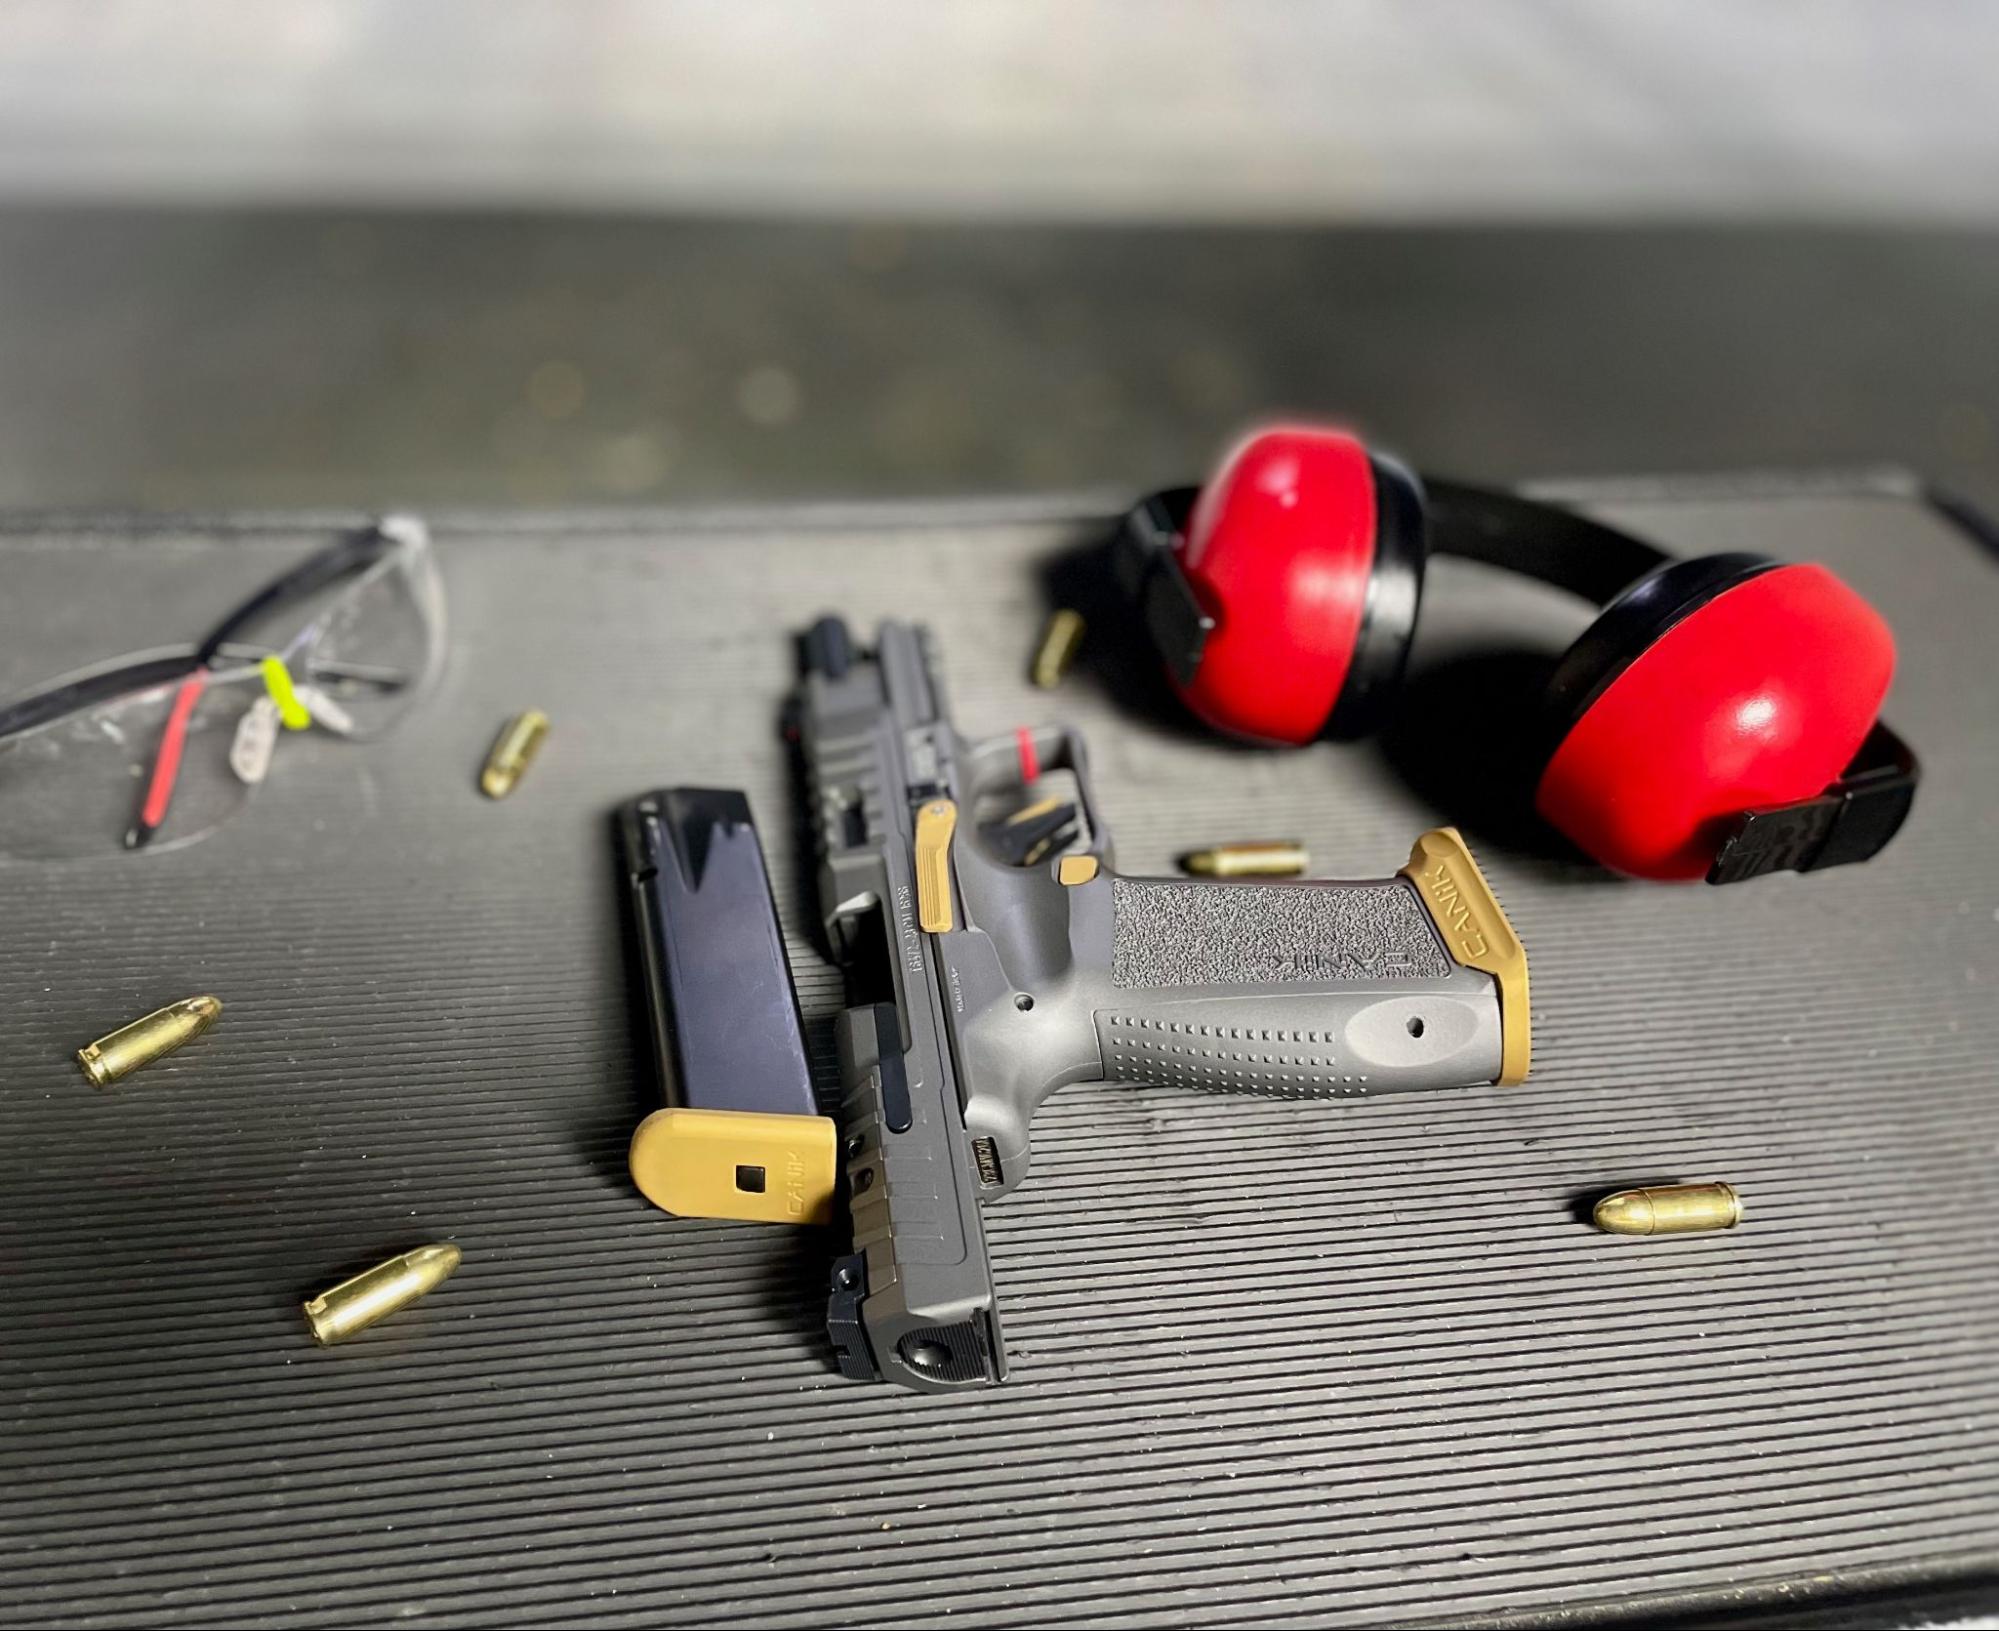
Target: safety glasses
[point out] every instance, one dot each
(159, 748)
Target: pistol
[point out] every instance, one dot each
(993, 955)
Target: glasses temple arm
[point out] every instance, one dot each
(336, 561)
(143, 675)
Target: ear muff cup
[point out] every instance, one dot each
(1308, 555)
(1709, 687)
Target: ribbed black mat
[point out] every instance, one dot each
(1338, 1363)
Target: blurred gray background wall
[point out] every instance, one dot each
(423, 250)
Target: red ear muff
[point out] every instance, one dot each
(1718, 718)
(1740, 684)
(1307, 556)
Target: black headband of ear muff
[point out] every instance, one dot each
(1547, 542)
(1641, 589)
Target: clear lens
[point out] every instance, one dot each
(361, 653)
(376, 647)
(74, 787)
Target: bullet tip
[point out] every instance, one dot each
(1628, 1212)
(438, 1260)
(1200, 862)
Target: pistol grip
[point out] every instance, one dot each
(1316, 987)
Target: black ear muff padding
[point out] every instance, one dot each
(1394, 594)
(1630, 625)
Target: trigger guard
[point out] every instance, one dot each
(994, 763)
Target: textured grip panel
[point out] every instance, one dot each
(1302, 1061)
(1169, 933)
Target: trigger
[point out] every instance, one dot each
(1028, 835)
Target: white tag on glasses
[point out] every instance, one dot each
(325, 711)
(256, 739)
